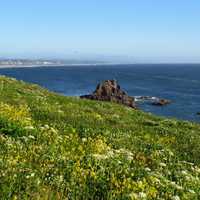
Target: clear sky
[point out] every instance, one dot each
(137, 30)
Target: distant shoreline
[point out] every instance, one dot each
(54, 65)
(89, 64)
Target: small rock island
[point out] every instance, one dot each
(109, 90)
(161, 102)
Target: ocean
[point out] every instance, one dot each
(179, 83)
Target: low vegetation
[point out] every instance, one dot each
(56, 147)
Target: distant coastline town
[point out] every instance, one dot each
(44, 62)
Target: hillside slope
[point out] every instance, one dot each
(56, 147)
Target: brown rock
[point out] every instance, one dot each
(109, 90)
(161, 102)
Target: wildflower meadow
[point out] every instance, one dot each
(56, 147)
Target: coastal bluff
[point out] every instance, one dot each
(43, 133)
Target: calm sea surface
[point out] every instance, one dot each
(179, 83)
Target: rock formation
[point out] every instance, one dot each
(109, 90)
(161, 102)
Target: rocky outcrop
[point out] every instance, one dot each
(109, 90)
(161, 102)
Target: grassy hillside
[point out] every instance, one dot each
(56, 147)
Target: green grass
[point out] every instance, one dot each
(56, 147)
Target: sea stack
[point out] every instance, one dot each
(109, 90)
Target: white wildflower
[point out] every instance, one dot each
(116, 116)
(38, 181)
(188, 163)
(84, 139)
(110, 153)
(197, 169)
(191, 191)
(142, 195)
(46, 126)
(29, 128)
(31, 137)
(147, 169)
(100, 156)
(178, 187)
(117, 151)
(25, 138)
(53, 130)
(176, 197)
(173, 183)
(126, 153)
(171, 153)
(119, 162)
(184, 173)
(61, 178)
(162, 164)
(129, 158)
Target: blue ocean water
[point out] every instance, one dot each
(179, 83)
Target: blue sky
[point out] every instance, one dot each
(134, 30)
